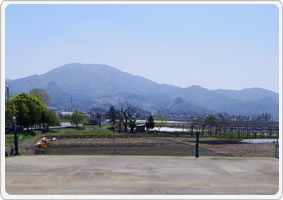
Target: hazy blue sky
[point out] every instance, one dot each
(214, 46)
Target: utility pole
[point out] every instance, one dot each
(71, 104)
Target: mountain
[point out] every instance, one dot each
(248, 95)
(98, 85)
(181, 107)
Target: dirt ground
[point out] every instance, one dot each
(248, 150)
(235, 148)
(136, 175)
(148, 146)
(123, 146)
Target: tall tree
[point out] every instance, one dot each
(125, 117)
(112, 115)
(132, 121)
(125, 113)
(10, 111)
(42, 94)
(67, 118)
(50, 118)
(78, 117)
(120, 117)
(28, 108)
(150, 122)
(98, 118)
(132, 124)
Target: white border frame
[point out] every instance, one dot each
(5, 195)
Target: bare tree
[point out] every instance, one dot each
(132, 121)
(120, 117)
(126, 115)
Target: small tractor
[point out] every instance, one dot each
(44, 142)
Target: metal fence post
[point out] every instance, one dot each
(197, 145)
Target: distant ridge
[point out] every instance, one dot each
(103, 85)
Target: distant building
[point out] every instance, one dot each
(62, 114)
(92, 118)
(140, 128)
(52, 108)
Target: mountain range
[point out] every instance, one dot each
(98, 85)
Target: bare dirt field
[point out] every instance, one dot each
(149, 146)
(234, 148)
(93, 175)
(242, 149)
(123, 146)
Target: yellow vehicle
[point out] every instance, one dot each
(43, 143)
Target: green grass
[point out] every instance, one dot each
(73, 131)
(9, 138)
(97, 126)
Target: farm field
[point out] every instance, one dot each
(91, 141)
(123, 146)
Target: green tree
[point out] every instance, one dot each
(132, 124)
(78, 117)
(98, 119)
(120, 122)
(211, 119)
(42, 94)
(67, 118)
(150, 122)
(84, 122)
(112, 115)
(10, 111)
(50, 118)
(28, 108)
(132, 121)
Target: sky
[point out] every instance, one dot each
(214, 46)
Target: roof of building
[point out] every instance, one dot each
(66, 113)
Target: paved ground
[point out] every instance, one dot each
(140, 175)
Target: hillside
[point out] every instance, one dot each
(94, 85)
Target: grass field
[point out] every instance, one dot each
(97, 126)
(73, 131)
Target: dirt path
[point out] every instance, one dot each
(27, 146)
